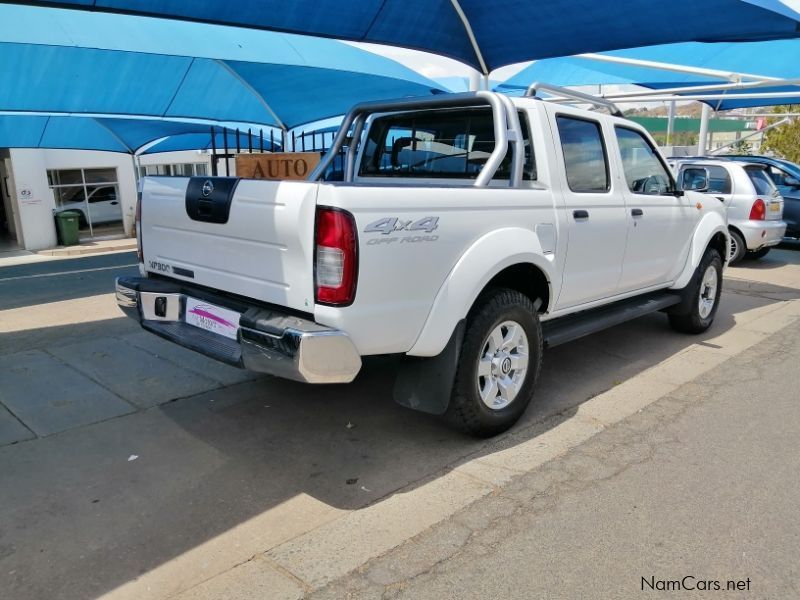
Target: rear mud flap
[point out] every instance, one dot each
(425, 384)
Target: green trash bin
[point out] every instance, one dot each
(67, 223)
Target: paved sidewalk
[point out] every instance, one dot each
(206, 486)
(696, 492)
(91, 247)
(22, 257)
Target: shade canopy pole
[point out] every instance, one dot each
(702, 142)
(471, 36)
(670, 123)
(752, 134)
(686, 69)
(694, 89)
(711, 97)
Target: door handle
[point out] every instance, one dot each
(580, 214)
(114, 203)
(637, 212)
(720, 198)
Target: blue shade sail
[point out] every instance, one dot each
(114, 135)
(776, 58)
(505, 31)
(71, 62)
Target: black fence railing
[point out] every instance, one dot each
(227, 143)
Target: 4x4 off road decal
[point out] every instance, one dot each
(388, 225)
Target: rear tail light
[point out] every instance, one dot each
(335, 257)
(759, 211)
(138, 220)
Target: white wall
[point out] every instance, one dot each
(29, 173)
(34, 199)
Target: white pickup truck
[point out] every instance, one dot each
(463, 232)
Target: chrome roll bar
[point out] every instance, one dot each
(565, 93)
(506, 130)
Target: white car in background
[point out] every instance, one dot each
(103, 206)
(753, 203)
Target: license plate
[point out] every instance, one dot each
(774, 206)
(212, 318)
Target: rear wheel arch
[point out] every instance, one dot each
(526, 278)
(490, 262)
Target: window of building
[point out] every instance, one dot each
(93, 193)
(584, 154)
(175, 170)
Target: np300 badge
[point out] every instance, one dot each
(160, 267)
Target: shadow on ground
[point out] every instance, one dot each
(78, 518)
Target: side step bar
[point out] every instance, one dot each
(572, 327)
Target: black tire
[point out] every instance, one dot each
(738, 247)
(693, 321)
(467, 411)
(756, 254)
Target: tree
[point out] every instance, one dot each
(742, 147)
(784, 140)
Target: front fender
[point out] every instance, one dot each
(487, 257)
(711, 223)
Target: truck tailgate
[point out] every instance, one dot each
(261, 248)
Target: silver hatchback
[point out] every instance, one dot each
(753, 203)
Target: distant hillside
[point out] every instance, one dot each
(687, 110)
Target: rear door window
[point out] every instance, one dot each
(452, 144)
(719, 180)
(585, 156)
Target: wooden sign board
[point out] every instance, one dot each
(278, 165)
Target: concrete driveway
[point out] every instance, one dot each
(132, 468)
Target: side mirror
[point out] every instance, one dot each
(694, 179)
(791, 181)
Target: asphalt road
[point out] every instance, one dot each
(696, 491)
(58, 280)
(227, 466)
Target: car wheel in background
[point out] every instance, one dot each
(738, 247)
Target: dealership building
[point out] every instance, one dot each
(36, 184)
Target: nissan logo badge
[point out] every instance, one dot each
(208, 188)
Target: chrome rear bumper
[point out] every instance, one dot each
(267, 341)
